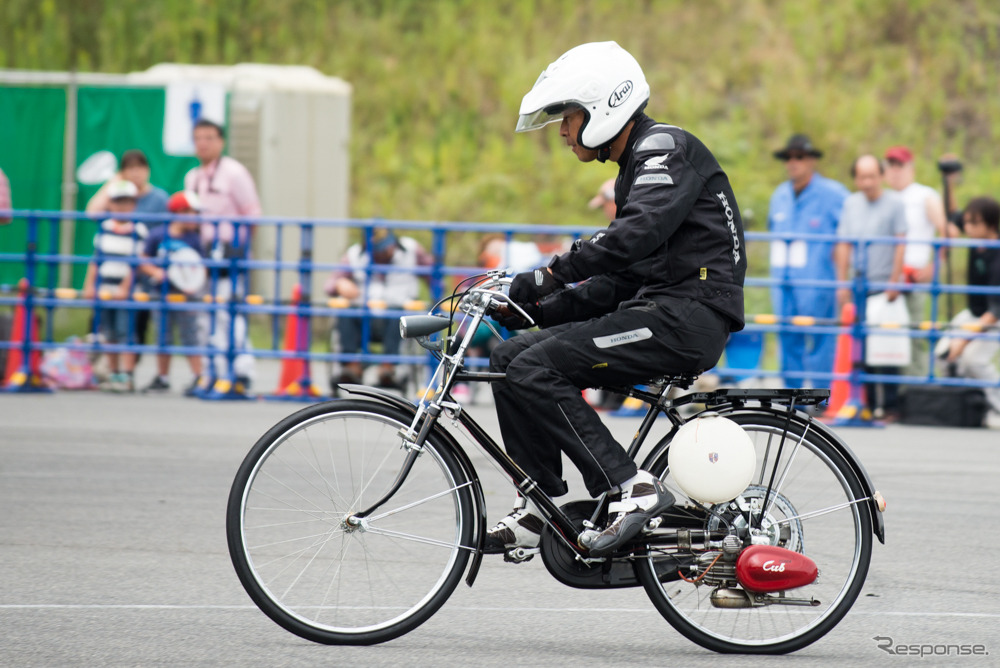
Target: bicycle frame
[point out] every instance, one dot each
(427, 412)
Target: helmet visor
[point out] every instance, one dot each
(553, 113)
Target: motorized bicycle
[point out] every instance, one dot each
(352, 521)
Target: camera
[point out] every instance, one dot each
(949, 166)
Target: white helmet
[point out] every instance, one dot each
(600, 77)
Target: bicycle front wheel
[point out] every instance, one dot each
(811, 509)
(315, 569)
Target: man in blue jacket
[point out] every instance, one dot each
(807, 203)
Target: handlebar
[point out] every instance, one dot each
(496, 300)
(484, 298)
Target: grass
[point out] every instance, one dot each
(437, 84)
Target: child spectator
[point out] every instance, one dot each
(390, 290)
(134, 166)
(177, 270)
(973, 358)
(109, 275)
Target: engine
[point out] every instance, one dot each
(745, 578)
(767, 568)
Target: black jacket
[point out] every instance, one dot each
(678, 233)
(984, 270)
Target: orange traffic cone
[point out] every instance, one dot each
(23, 375)
(852, 412)
(295, 382)
(840, 390)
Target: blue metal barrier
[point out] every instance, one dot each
(229, 297)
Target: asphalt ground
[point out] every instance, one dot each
(113, 553)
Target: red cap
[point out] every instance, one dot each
(899, 154)
(182, 201)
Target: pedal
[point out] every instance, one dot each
(519, 555)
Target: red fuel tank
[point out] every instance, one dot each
(766, 568)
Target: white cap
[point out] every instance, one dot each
(122, 189)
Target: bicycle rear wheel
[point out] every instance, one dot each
(335, 581)
(810, 477)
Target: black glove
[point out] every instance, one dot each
(514, 321)
(530, 286)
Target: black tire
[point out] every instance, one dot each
(316, 574)
(839, 541)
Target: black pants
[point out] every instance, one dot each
(541, 410)
(882, 395)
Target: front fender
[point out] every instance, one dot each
(384, 396)
(396, 401)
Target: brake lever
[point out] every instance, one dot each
(520, 311)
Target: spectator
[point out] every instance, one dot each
(393, 289)
(873, 212)
(973, 358)
(925, 217)
(110, 273)
(223, 186)
(225, 189)
(133, 166)
(5, 202)
(176, 249)
(496, 251)
(605, 200)
(807, 203)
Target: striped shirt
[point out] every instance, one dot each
(117, 239)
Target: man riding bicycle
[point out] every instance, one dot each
(656, 293)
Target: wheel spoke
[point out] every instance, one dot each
(414, 504)
(418, 539)
(329, 491)
(296, 539)
(371, 479)
(788, 466)
(823, 511)
(319, 548)
(293, 556)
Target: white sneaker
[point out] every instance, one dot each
(520, 528)
(992, 420)
(642, 497)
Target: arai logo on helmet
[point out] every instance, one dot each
(620, 94)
